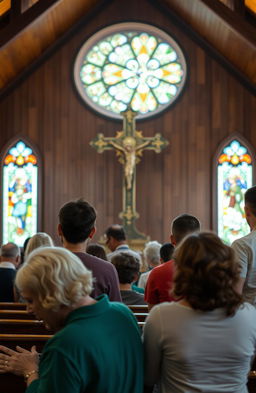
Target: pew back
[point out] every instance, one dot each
(12, 306)
(22, 326)
(16, 314)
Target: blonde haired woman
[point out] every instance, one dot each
(97, 347)
(40, 239)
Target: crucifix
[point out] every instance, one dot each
(129, 145)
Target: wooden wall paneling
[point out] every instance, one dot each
(202, 148)
(46, 108)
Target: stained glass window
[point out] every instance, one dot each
(130, 64)
(234, 177)
(20, 194)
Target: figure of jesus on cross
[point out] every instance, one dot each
(129, 145)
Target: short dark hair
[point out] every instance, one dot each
(166, 251)
(116, 231)
(207, 273)
(97, 250)
(77, 219)
(127, 267)
(250, 199)
(183, 225)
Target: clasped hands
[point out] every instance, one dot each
(18, 362)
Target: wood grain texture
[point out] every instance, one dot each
(223, 29)
(4, 6)
(33, 41)
(46, 109)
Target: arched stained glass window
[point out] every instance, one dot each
(130, 65)
(234, 177)
(20, 193)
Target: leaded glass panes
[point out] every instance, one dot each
(130, 64)
(20, 194)
(234, 177)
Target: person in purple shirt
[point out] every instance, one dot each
(76, 226)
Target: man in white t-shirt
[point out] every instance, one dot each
(245, 249)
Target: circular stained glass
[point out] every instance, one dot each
(130, 65)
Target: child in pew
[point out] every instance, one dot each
(97, 250)
(128, 268)
(97, 345)
(206, 341)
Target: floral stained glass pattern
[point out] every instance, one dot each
(20, 176)
(133, 68)
(234, 177)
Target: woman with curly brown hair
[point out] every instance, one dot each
(206, 341)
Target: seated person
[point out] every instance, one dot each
(166, 252)
(9, 262)
(160, 281)
(40, 239)
(206, 341)
(151, 254)
(97, 250)
(128, 267)
(97, 346)
(116, 241)
(77, 226)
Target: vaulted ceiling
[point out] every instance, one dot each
(220, 29)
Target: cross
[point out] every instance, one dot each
(129, 145)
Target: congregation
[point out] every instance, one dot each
(199, 293)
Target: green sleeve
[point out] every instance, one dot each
(58, 374)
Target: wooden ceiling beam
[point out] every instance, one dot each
(32, 42)
(222, 29)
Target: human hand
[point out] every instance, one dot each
(18, 362)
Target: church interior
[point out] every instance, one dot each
(41, 105)
(146, 109)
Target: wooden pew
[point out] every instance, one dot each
(10, 383)
(137, 308)
(24, 340)
(22, 326)
(12, 306)
(141, 325)
(141, 317)
(16, 314)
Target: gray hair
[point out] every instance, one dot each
(10, 250)
(152, 252)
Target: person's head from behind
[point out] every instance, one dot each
(115, 235)
(40, 239)
(53, 281)
(206, 273)
(151, 253)
(76, 221)
(250, 206)
(127, 266)
(97, 250)
(10, 252)
(166, 252)
(182, 226)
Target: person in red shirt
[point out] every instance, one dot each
(160, 280)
